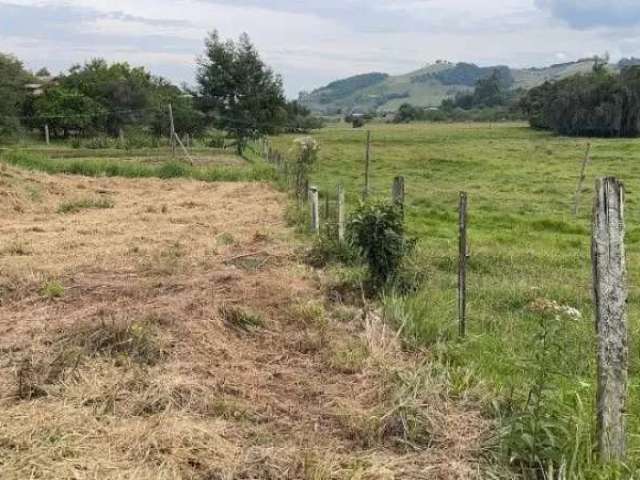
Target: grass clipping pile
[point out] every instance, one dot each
(165, 330)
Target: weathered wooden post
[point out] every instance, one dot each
(367, 161)
(583, 175)
(340, 214)
(315, 209)
(121, 136)
(463, 254)
(610, 299)
(397, 192)
(47, 139)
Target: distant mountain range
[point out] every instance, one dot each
(430, 85)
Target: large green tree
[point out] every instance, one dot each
(66, 110)
(13, 81)
(238, 91)
(123, 91)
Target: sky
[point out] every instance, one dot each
(311, 43)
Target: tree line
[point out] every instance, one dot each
(492, 99)
(600, 104)
(235, 91)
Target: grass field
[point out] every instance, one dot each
(529, 359)
(527, 250)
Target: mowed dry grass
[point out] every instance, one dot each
(168, 330)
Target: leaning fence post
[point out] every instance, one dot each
(315, 209)
(463, 255)
(398, 192)
(340, 213)
(172, 129)
(610, 298)
(583, 175)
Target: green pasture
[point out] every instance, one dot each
(526, 245)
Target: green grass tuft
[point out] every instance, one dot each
(112, 167)
(74, 206)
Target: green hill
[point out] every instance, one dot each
(426, 87)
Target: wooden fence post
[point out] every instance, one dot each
(315, 209)
(583, 175)
(398, 192)
(610, 298)
(340, 214)
(47, 139)
(367, 161)
(463, 254)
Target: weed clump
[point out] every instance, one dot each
(241, 319)
(52, 289)
(75, 206)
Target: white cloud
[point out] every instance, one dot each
(309, 42)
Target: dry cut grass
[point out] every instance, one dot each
(175, 335)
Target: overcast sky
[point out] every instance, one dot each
(313, 42)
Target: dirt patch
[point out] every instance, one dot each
(176, 335)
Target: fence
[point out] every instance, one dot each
(608, 266)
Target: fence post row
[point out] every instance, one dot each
(610, 298)
(315, 209)
(463, 256)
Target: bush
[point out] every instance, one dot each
(377, 230)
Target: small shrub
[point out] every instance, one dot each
(52, 289)
(75, 206)
(377, 230)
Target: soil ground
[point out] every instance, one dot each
(159, 329)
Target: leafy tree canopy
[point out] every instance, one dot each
(238, 91)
